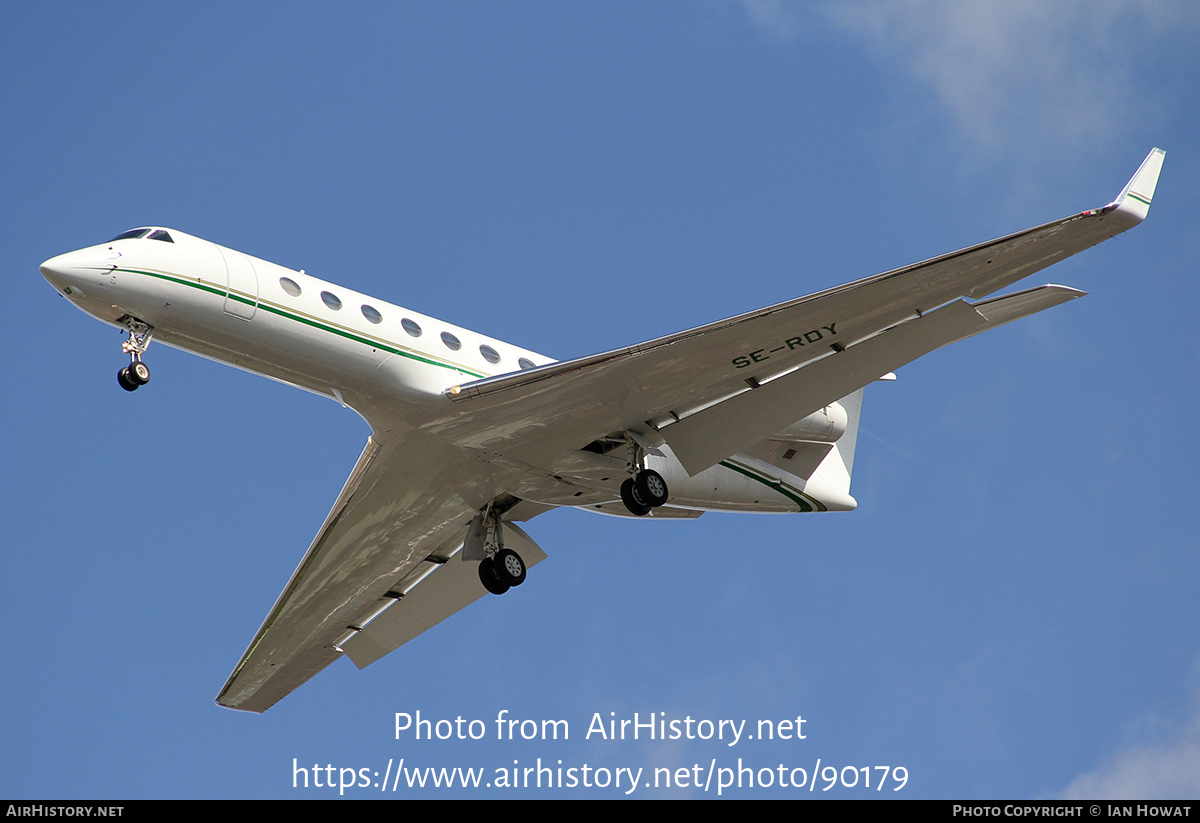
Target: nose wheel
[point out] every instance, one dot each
(136, 373)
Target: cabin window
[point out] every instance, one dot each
(411, 327)
(161, 235)
(489, 354)
(451, 341)
(290, 286)
(371, 314)
(331, 300)
(526, 363)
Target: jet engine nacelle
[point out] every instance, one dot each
(824, 426)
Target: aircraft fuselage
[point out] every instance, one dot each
(390, 364)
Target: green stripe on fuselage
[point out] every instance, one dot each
(306, 320)
(806, 504)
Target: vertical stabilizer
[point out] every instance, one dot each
(831, 481)
(844, 447)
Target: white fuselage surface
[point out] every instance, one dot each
(358, 350)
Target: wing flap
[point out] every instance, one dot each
(451, 588)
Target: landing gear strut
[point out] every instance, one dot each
(136, 373)
(645, 489)
(501, 568)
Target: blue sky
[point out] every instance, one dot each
(1011, 612)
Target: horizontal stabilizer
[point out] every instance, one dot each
(1000, 310)
(711, 435)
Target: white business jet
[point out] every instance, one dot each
(470, 435)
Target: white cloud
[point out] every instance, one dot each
(776, 17)
(1147, 772)
(1057, 71)
(1166, 770)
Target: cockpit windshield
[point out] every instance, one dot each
(134, 234)
(130, 235)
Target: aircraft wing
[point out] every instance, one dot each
(400, 517)
(808, 343)
(405, 509)
(445, 588)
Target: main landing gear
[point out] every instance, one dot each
(502, 571)
(645, 489)
(501, 568)
(136, 373)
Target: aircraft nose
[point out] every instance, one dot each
(57, 270)
(70, 269)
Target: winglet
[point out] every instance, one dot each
(1134, 199)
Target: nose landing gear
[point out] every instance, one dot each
(136, 373)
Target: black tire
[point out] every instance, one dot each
(487, 577)
(509, 568)
(124, 380)
(634, 505)
(650, 488)
(139, 373)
